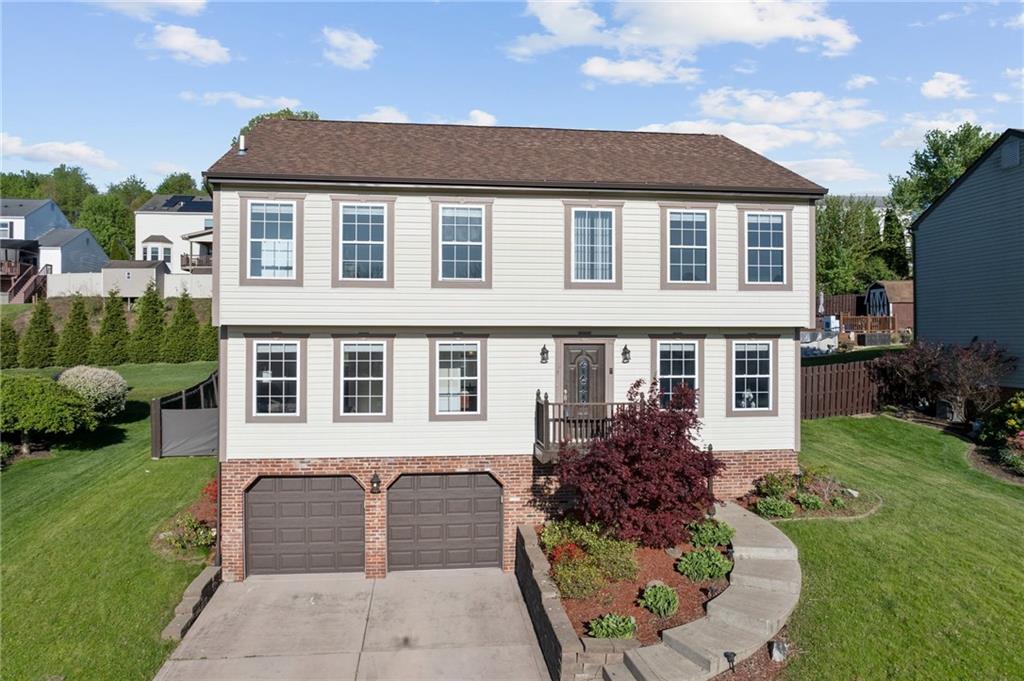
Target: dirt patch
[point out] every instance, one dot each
(758, 667)
(983, 460)
(204, 509)
(620, 597)
(40, 453)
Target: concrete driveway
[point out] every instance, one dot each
(442, 624)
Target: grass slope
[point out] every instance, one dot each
(931, 586)
(84, 596)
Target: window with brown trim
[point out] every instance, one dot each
(462, 237)
(593, 244)
(275, 379)
(458, 379)
(270, 239)
(677, 364)
(766, 248)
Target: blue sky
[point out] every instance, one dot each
(840, 92)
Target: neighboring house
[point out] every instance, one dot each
(131, 277)
(70, 250)
(178, 230)
(892, 298)
(969, 256)
(413, 316)
(29, 219)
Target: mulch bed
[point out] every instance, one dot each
(984, 460)
(758, 667)
(620, 597)
(857, 507)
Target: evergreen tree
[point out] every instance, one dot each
(181, 340)
(76, 337)
(148, 335)
(39, 344)
(209, 342)
(8, 345)
(894, 244)
(110, 345)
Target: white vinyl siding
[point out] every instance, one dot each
(593, 245)
(271, 240)
(677, 363)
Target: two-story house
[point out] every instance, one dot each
(178, 230)
(393, 299)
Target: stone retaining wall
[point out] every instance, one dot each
(195, 598)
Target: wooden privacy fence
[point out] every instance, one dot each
(866, 323)
(837, 390)
(185, 423)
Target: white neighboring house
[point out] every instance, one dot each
(177, 229)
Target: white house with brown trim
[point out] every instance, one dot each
(393, 298)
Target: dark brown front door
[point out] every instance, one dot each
(304, 524)
(444, 521)
(584, 373)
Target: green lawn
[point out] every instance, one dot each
(84, 596)
(10, 311)
(930, 587)
(858, 355)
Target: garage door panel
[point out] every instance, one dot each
(485, 505)
(430, 532)
(458, 506)
(291, 535)
(459, 531)
(401, 507)
(322, 535)
(291, 509)
(322, 509)
(487, 555)
(487, 530)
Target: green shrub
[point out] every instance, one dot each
(704, 564)
(710, 533)
(808, 501)
(838, 503)
(110, 345)
(104, 389)
(36, 407)
(1012, 455)
(209, 343)
(147, 337)
(190, 534)
(8, 345)
(660, 599)
(577, 578)
(75, 337)
(1003, 422)
(181, 339)
(559, 532)
(6, 452)
(777, 484)
(612, 626)
(39, 344)
(774, 507)
(615, 559)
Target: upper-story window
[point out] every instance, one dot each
(363, 235)
(272, 252)
(276, 378)
(593, 245)
(677, 364)
(688, 246)
(766, 248)
(462, 243)
(5, 229)
(156, 253)
(207, 223)
(752, 376)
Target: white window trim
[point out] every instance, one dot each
(248, 239)
(441, 242)
(668, 241)
(696, 361)
(770, 376)
(746, 248)
(341, 239)
(298, 378)
(572, 246)
(7, 225)
(383, 379)
(438, 380)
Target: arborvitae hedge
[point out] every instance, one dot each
(148, 336)
(181, 339)
(8, 345)
(110, 346)
(209, 342)
(76, 337)
(39, 344)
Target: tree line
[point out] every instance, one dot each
(152, 339)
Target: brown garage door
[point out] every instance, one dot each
(304, 524)
(444, 521)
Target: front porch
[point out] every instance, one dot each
(199, 259)
(572, 423)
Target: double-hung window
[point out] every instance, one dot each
(363, 378)
(462, 237)
(458, 381)
(752, 376)
(5, 229)
(271, 239)
(766, 248)
(677, 364)
(276, 378)
(688, 246)
(167, 254)
(593, 245)
(363, 235)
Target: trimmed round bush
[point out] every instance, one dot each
(577, 578)
(37, 407)
(104, 389)
(704, 564)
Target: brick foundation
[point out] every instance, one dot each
(528, 492)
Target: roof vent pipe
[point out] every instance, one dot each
(241, 145)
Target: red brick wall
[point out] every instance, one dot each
(742, 468)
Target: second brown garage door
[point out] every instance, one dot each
(304, 524)
(444, 521)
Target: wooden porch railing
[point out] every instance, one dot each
(556, 423)
(189, 262)
(866, 323)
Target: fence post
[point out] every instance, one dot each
(156, 438)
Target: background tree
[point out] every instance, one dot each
(894, 244)
(209, 342)
(23, 185)
(110, 345)
(109, 221)
(147, 338)
(39, 344)
(36, 407)
(8, 345)
(76, 336)
(131, 191)
(179, 183)
(69, 187)
(282, 114)
(181, 339)
(849, 255)
(944, 158)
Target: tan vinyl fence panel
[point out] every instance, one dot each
(837, 390)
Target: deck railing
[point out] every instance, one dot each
(571, 423)
(190, 262)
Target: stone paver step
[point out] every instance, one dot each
(757, 610)
(755, 537)
(661, 663)
(766, 573)
(705, 642)
(617, 672)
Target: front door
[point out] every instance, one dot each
(584, 373)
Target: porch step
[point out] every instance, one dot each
(756, 610)
(705, 643)
(617, 672)
(661, 663)
(767, 573)
(755, 537)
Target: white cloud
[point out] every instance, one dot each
(164, 168)
(760, 137)
(348, 49)
(1015, 76)
(239, 100)
(479, 117)
(943, 85)
(1015, 22)
(75, 153)
(916, 125)
(186, 45)
(640, 71)
(948, 15)
(799, 108)
(745, 67)
(859, 81)
(385, 114)
(145, 11)
(1001, 97)
(822, 170)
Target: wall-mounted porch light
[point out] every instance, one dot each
(375, 484)
(626, 355)
(544, 354)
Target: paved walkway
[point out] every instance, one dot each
(411, 626)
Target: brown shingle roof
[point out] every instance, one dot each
(897, 290)
(503, 156)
